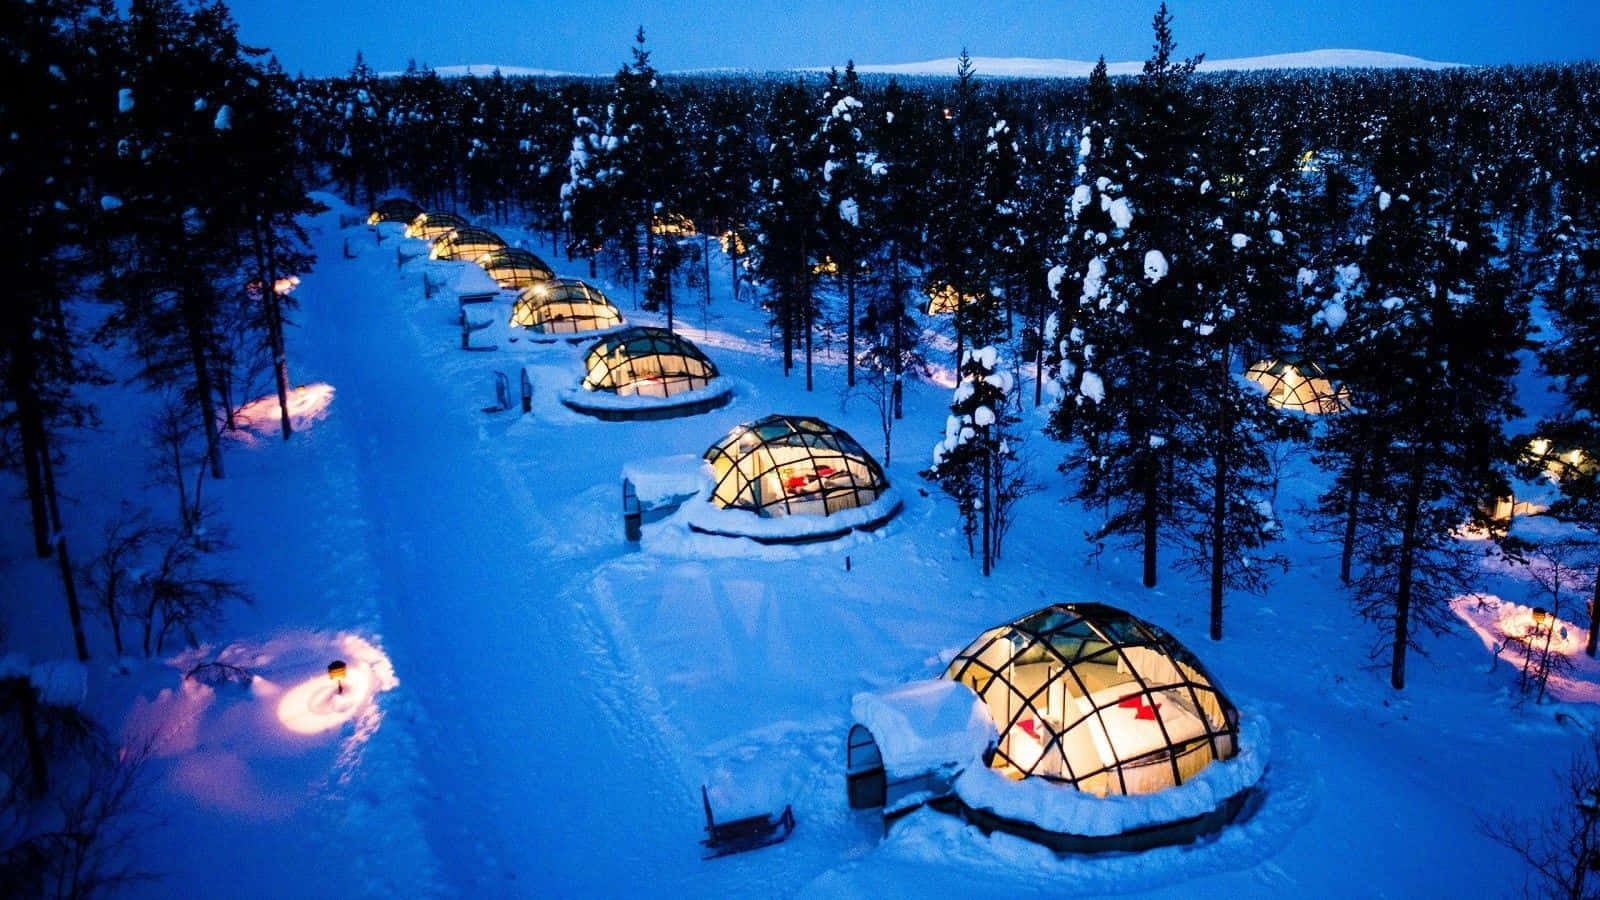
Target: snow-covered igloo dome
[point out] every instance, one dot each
(641, 372)
(793, 465)
(1090, 696)
(564, 306)
(434, 224)
(1299, 385)
(514, 268)
(467, 243)
(394, 209)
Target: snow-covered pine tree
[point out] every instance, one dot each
(1569, 289)
(788, 217)
(975, 463)
(901, 133)
(1244, 311)
(849, 193)
(1428, 336)
(588, 196)
(1139, 358)
(51, 60)
(360, 165)
(956, 251)
(1077, 262)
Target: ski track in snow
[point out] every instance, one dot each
(522, 778)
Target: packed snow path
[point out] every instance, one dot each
(545, 775)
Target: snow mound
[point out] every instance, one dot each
(1068, 811)
(926, 725)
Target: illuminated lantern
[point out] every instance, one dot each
(336, 672)
(1540, 616)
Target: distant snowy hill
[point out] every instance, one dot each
(1028, 67)
(484, 71)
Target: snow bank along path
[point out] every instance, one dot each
(543, 775)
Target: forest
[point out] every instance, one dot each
(1132, 245)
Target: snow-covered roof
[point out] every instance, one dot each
(926, 725)
(1065, 810)
(660, 479)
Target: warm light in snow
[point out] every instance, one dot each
(262, 417)
(326, 701)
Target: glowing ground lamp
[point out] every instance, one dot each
(336, 673)
(1540, 616)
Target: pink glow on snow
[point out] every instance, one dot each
(252, 747)
(1493, 619)
(262, 418)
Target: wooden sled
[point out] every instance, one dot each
(749, 833)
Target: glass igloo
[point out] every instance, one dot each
(1298, 385)
(515, 268)
(646, 362)
(394, 209)
(564, 306)
(434, 224)
(793, 465)
(1092, 697)
(466, 243)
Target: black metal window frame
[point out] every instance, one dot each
(818, 462)
(1104, 634)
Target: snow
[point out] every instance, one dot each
(1239, 241)
(1081, 197)
(1121, 213)
(1066, 810)
(224, 119)
(62, 682)
(661, 479)
(927, 725)
(1384, 200)
(1155, 266)
(1094, 278)
(108, 203)
(560, 695)
(983, 417)
(125, 100)
(850, 212)
(1092, 387)
(1027, 67)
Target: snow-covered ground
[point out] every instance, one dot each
(533, 704)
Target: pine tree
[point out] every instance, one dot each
(788, 220)
(1569, 288)
(1137, 355)
(850, 170)
(1429, 332)
(975, 463)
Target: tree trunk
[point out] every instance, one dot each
(1150, 523)
(1219, 519)
(267, 266)
(1402, 599)
(74, 611)
(1358, 473)
(194, 325)
(705, 263)
(988, 503)
(32, 450)
(38, 762)
(850, 328)
(1594, 618)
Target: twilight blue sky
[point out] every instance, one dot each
(319, 37)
